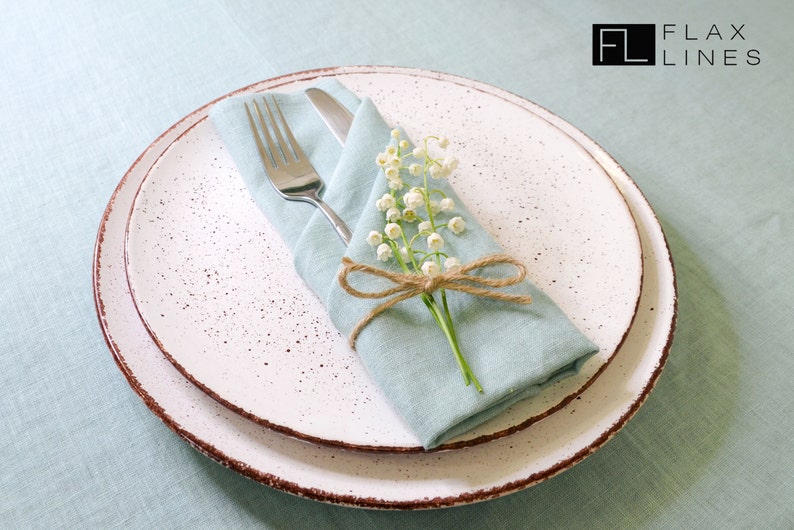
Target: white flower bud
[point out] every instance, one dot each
(384, 252)
(415, 169)
(374, 238)
(413, 199)
(456, 225)
(424, 226)
(395, 183)
(447, 204)
(393, 214)
(451, 263)
(435, 241)
(450, 164)
(385, 202)
(443, 142)
(430, 268)
(393, 230)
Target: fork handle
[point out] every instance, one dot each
(341, 228)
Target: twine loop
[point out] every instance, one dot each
(407, 285)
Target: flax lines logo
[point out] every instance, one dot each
(701, 45)
(624, 44)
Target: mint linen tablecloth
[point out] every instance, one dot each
(87, 86)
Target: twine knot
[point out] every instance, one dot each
(407, 285)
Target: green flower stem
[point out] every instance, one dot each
(427, 193)
(444, 321)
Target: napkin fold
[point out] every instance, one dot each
(514, 350)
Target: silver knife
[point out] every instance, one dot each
(334, 114)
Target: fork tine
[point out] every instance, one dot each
(273, 148)
(263, 154)
(296, 148)
(283, 148)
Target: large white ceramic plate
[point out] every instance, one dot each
(216, 287)
(380, 480)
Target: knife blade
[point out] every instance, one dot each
(334, 114)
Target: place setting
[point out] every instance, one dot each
(480, 300)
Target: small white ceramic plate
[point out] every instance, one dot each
(216, 287)
(379, 480)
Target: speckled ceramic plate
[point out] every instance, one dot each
(216, 287)
(379, 480)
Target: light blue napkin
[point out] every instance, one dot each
(514, 350)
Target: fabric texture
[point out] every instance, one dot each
(514, 350)
(88, 85)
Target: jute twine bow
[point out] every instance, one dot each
(408, 285)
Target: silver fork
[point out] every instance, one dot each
(287, 167)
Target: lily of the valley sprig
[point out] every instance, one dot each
(417, 219)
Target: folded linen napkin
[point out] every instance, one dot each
(514, 350)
